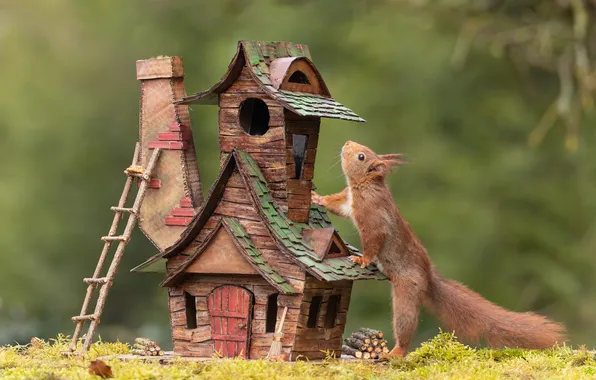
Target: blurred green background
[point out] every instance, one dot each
(459, 86)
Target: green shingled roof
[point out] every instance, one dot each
(258, 55)
(289, 233)
(254, 257)
(306, 104)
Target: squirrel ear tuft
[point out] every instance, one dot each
(377, 166)
(391, 160)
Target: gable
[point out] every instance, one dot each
(297, 74)
(221, 256)
(325, 242)
(218, 249)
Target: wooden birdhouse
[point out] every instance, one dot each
(256, 245)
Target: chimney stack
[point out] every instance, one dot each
(175, 191)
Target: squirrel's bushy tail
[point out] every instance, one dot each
(474, 318)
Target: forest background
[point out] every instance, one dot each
(490, 100)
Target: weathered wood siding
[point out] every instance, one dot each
(299, 188)
(310, 341)
(269, 149)
(198, 342)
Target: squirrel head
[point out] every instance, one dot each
(360, 164)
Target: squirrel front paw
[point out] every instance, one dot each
(316, 198)
(362, 261)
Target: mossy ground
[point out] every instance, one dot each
(441, 358)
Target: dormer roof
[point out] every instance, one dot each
(269, 63)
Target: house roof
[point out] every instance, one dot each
(246, 246)
(322, 239)
(287, 233)
(258, 56)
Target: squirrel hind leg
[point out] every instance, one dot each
(398, 351)
(395, 353)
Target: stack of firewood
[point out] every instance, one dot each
(365, 344)
(146, 347)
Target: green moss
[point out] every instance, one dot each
(442, 357)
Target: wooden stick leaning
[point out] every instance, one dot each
(276, 344)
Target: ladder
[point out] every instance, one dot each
(104, 283)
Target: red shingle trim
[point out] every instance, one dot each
(179, 128)
(154, 183)
(186, 202)
(177, 221)
(171, 145)
(174, 136)
(183, 212)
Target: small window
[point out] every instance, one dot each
(313, 311)
(254, 116)
(334, 249)
(332, 308)
(271, 313)
(191, 311)
(299, 77)
(299, 144)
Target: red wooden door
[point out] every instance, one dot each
(230, 309)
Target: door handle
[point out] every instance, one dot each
(242, 326)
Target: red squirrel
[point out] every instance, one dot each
(389, 241)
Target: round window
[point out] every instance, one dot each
(254, 116)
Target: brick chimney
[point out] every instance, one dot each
(175, 191)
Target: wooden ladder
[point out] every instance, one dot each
(104, 283)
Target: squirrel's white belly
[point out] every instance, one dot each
(346, 207)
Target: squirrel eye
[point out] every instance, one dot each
(361, 157)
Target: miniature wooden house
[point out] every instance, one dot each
(256, 245)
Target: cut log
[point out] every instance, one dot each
(140, 352)
(374, 342)
(370, 348)
(365, 338)
(385, 350)
(383, 343)
(371, 332)
(366, 355)
(378, 349)
(374, 355)
(144, 341)
(351, 351)
(356, 343)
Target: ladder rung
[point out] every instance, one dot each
(88, 317)
(122, 209)
(101, 280)
(114, 238)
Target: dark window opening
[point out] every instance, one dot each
(299, 143)
(299, 77)
(191, 311)
(332, 308)
(254, 116)
(334, 249)
(271, 313)
(313, 311)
